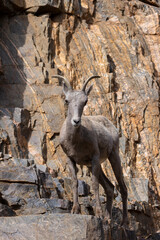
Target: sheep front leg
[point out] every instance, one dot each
(95, 181)
(73, 171)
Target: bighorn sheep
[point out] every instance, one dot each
(89, 140)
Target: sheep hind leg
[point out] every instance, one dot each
(109, 191)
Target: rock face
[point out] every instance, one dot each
(118, 40)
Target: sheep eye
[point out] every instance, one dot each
(85, 102)
(66, 101)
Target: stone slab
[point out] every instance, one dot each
(18, 174)
(50, 227)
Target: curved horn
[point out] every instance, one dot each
(87, 81)
(64, 79)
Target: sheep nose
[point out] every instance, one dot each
(76, 121)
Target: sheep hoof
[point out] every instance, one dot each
(99, 212)
(125, 222)
(75, 209)
(108, 220)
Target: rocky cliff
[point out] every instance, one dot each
(118, 40)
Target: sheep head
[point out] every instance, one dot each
(76, 99)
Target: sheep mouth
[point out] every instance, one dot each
(76, 125)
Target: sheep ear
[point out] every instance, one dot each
(65, 88)
(88, 90)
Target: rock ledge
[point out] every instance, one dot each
(48, 227)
